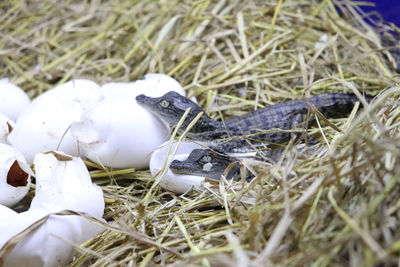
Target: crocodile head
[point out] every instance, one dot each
(206, 163)
(171, 107)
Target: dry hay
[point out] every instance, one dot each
(235, 56)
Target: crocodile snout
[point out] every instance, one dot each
(141, 98)
(176, 164)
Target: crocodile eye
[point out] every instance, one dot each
(164, 103)
(205, 159)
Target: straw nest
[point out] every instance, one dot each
(234, 56)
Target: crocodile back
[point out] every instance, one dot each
(278, 123)
(275, 116)
(331, 105)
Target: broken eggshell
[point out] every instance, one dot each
(6, 126)
(44, 124)
(42, 246)
(63, 182)
(118, 132)
(12, 99)
(170, 181)
(14, 176)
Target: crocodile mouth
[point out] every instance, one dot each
(183, 167)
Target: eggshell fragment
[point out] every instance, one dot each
(44, 124)
(63, 182)
(119, 133)
(12, 99)
(170, 181)
(6, 126)
(14, 176)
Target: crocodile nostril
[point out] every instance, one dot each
(176, 163)
(140, 98)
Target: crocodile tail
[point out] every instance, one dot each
(336, 105)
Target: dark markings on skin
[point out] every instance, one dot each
(256, 129)
(235, 134)
(194, 165)
(221, 162)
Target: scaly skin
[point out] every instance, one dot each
(207, 163)
(210, 164)
(270, 125)
(259, 127)
(171, 107)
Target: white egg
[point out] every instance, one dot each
(79, 92)
(156, 84)
(6, 126)
(170, 181)
(119, 90)
(119, 133)
(15, 176)
(12, 99)
(44, 124)
(153, 85)
(63, 182)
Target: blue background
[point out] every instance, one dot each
(389, 9)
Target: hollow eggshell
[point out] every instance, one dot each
(15, 176)
(63, 183)
(44, 124)
(119, 133)
(42, 247)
